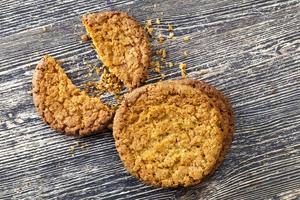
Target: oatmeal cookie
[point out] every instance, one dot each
(122, 45)
(169, 134)
(62, 105)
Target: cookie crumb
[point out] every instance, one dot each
(171, 64)
(160, 39)
(170, 27)
(157, 21)
(185, 53)
(85, 38)
(109, 83)
(157, 69)
(149, 22)
(186, 38)
(45, 29)
(182, 67)
(150, 30)
(171, 35)
(97, 70)
(158, 52)
(119, 98)
(148, 27)
(152, 64)
(162, 53)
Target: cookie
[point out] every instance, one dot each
(225, 107)
(122, 45)
(62, 105)
(169, 134)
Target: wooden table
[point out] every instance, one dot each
(247, 49)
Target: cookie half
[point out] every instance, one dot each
(62, 105)
(122, 45)
(169, 134)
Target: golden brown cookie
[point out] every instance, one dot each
(225, 107)
(62, 105)
(169, 134)
(121, 44)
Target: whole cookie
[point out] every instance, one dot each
(169, 134)
(121, 44)
(62, 105)
(225, 107)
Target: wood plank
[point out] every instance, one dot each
(248, 49)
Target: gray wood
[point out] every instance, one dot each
(248, 49)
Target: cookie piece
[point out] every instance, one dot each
(62, 105)
(121, 44)
(169, 134)
(225, 107)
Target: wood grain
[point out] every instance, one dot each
(248, 49)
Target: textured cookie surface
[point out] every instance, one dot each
(169, 134)
(62, 105)
(225, 107)
(121, 44)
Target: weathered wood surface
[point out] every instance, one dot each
(248, 49)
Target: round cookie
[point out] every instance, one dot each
(122, 45)
(169, 134)
(225, 107)
(62, 105)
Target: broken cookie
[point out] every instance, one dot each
(122, 45)
(62, 105)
